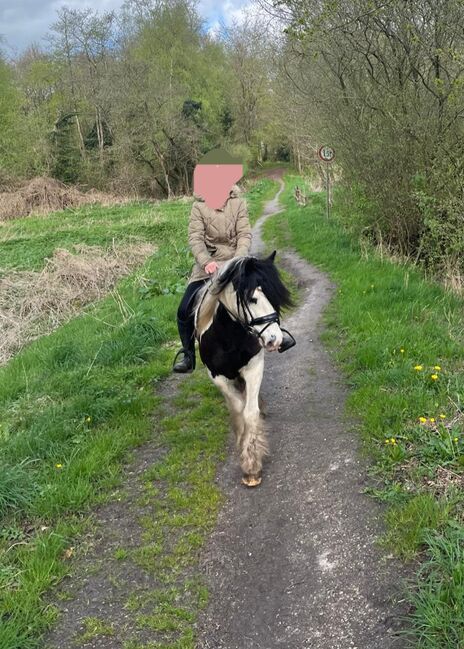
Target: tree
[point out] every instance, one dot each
(387, 90)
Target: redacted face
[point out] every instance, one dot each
(213, 182)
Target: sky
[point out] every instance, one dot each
(23, 22)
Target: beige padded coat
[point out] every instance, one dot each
(218, 235)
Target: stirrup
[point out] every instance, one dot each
(289, 343)
(187, 353)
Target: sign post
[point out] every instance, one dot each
(327, 155)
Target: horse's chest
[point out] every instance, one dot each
(226, 347)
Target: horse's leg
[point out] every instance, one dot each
(253, 444)
(241, 387)
(234, 397)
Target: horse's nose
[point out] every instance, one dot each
(271, 341)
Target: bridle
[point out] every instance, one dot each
(250, 322)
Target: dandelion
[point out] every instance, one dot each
(418, 368)
(392, 440)
(434, 377)
(437, 367)
(59, 466)
(432, 419)
(455, 439)
(402, 351)
(387, 441)
(422, 420)
(88, 419)
(442, 416)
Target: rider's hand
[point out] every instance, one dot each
(211, 267)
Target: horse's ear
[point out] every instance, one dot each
(272, 256)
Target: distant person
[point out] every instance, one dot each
(219, 229)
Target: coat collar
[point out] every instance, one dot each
(235, 192)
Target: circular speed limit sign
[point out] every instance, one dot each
(326, 153)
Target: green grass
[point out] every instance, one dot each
(26, 243)
(74, 402)
(263, 190)
(438, 596)
(384, 321)
(94, 627)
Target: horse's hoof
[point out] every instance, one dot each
(252, 480)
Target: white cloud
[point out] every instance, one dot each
(227, 12)
(23, 22)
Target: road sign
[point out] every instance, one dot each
(326, 153)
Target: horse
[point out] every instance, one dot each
(237, 318)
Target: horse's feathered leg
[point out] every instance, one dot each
(253, 442)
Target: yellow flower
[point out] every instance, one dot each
(437, 367)
(432, 419)
(422, 420)
(402, 350)
(434, 377)
(418, 367)
(442, 416)
(392, 440)
(88, 419)
(59, 466)
(455, 439)
(387, 441)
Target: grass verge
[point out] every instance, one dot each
(264, 189)
(74, 402)
(399, 341)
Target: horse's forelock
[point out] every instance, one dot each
(247, 273)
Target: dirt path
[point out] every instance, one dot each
(294, 563)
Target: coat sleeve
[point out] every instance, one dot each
(243, 231)
(196, 237)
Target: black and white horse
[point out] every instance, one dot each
(237, 318)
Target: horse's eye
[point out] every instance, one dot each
(253, 300)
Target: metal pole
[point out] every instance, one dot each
(327, 188)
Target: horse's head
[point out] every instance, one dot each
(253, 293)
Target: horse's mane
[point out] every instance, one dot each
(245, 274)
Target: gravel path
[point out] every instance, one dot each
(294, 562)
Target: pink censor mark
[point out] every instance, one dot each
(213, 182)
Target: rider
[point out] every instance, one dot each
(219, 229)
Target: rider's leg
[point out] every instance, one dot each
(185, 326)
